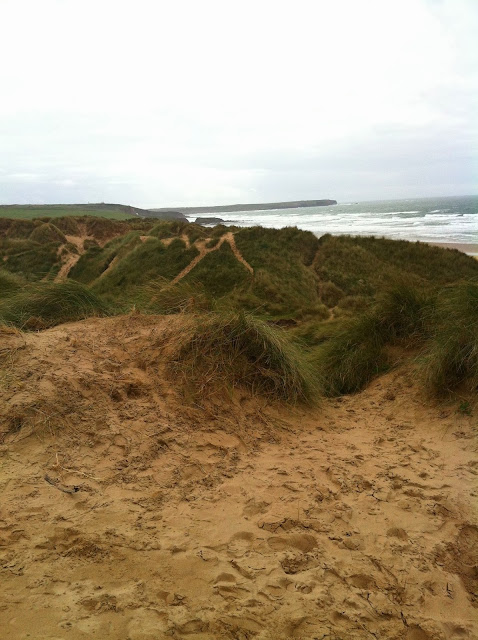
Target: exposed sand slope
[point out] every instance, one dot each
(235, 521)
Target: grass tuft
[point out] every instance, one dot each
(9, 283)
(160, 297)
(237, 349)
(45, 305)
(450, 356)
(352, 357)
(355, 354)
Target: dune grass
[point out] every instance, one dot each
(352, 357)
(44, 305)
(10, 283)
(145, 262)
(366, 265)
(450, 356)
(160, 297)
(355, 354)
(220, 273)
(47, 232)
(442, 323)
(227, 349)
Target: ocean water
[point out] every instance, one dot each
(451, 219)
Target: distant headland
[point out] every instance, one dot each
(263, 206)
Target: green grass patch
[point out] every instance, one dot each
(45, 305)
(228, 350)
(46, 233)
(450, 356)
(355, 354)
(94, 262)
(146, 262)
(160, 297)
(31, 260)
(59, 211)
(220, 272)
(10, 283)
(352, 357)
(284, 284)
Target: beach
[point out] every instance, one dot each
(446, 221)
(465, 247)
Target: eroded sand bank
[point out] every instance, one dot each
(238, 520)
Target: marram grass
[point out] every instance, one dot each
(44, 305)
(450, 356)
(237, 349)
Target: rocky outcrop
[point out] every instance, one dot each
(167, 214)
(209, 221)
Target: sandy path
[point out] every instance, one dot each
(204, 250)
(66, 267)
(72, 258)
(236, 521)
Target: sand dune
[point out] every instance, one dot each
(235, 520)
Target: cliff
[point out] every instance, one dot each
(263, 206)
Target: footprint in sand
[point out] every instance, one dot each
(301, 541)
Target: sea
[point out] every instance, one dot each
(452, 219)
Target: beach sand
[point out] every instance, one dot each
(239, 520)
(471, 249)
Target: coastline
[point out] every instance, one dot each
(465, 247)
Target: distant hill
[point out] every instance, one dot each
(263, 206)
(114, 211)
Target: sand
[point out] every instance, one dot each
(236, 520)
(465, 247)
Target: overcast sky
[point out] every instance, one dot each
(181, 102)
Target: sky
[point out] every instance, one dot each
(186, 102)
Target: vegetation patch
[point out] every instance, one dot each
(47, 304)
(450, 356)
(9, 283)
(355, 353)
(160, 297)
(146, 262)
(220, 272)
(31, 260)
(46, 232)
(237, 349)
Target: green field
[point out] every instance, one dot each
(30, 211)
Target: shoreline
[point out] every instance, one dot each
(465, 247)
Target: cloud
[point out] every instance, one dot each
(161, 103)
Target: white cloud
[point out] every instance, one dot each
(197, 102)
